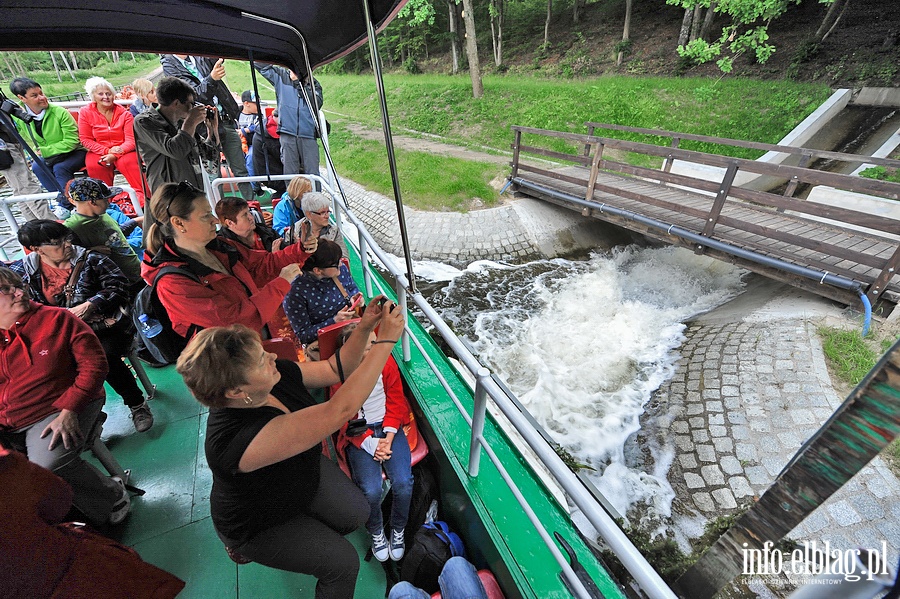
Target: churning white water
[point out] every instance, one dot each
(585, 343)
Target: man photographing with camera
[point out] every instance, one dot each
(14, 165)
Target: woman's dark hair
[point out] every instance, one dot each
(170, 89)
(229, 208)
(327, 254)
(20, 85)
(36, 232)
(172, 199)
(9, 277)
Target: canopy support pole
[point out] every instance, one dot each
(389, 144)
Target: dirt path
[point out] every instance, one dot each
(432, 145)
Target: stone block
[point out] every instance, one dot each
(731, 465)
(712, 475)
(725, 498)
(740, 487)
(706, 453)
(718, 431)
(704, 502)
(700, 436)
(843, 513)
(693, 481)
(723, 444)
(688, 461)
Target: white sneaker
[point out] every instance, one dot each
(380, 547)
(397, 545)
(122, 506)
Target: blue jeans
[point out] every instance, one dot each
(367, 476)
(63, 172)
(458, 580)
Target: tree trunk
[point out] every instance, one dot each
(576, 10)
(626, 32)
(66, 63)
(547, 23)
(497, 30)
(8, 66)
(133, 59)
(707, 22)
(74, 60)
(55, 67)
(685, 26)
(454, 36)
(836, 21)
(696, 22)
(472, 49)
(830, 18)
(21, 68)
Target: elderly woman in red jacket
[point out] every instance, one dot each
(51, 390)
(106, 130)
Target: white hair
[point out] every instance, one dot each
(94, 82)
(314, 201)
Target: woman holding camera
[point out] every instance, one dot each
(106, 130)
(276, 499)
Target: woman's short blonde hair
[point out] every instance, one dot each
(298, 186)
(216, 361)
(93, 83)
(142, 87)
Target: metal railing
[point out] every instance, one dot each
(10, 218)
(485, 386)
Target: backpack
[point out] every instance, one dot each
(167, 345)
(432, 546)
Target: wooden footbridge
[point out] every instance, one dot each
(738, 210)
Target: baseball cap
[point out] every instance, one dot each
(87, 189)
(248, 96)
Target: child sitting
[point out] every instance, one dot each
(381, 445)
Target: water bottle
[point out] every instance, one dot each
(150, 327)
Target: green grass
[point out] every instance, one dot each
(851, 356)
(427, 181)
(443, 105)
(882, 174)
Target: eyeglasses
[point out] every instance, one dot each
(337, 265)
(11, 289)
(323, 212)
(181, 188)
(58, 243)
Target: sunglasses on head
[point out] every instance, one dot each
(181, 189)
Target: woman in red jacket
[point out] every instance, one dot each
(237, 285)
(106, 130)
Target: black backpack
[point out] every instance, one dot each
(432, 546)
(167, 345)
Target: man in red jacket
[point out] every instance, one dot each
(52, 368)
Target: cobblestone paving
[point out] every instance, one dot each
(742, 401)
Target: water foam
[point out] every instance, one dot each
(585, 343)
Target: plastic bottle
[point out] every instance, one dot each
(150, 327)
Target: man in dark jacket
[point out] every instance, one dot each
(205, 76)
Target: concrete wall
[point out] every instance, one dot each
(829, 196)
(878, 96)
(797, 137)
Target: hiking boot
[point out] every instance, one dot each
(142, 417)
(122, 505)
(380, 547)
(397, 545)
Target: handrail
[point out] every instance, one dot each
(751, 145)
(625, 551)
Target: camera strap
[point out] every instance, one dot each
(340, 367)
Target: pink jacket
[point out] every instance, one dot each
(98, 136)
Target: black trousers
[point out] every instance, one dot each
(117, 341)
(268, 148)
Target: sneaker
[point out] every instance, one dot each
(380, 547)
(142, 417)
(122, 506)
(397, 546)
(61, 213)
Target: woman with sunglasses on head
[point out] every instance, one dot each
(324, 294)
(92, 287)
(237, 285)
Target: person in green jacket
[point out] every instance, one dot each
(54, 132)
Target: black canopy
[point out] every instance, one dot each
(273, 29)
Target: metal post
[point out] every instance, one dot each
(364, 258)
(389, 144)
(478, 415)
(404, 337)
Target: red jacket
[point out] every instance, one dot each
(396, 408)
(98, 135)
(46, 560)
(250, 295)
(52, 361)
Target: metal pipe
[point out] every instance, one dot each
(404, 337)
(478, 415)
(389, 143)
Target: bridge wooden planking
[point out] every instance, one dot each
(785, 236)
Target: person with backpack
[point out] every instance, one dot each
(225, 282)
(93, 288)
(375, 441)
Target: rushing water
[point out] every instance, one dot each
(585, 343)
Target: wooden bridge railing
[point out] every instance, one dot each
(724, 191)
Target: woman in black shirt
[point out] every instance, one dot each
(276, 499)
